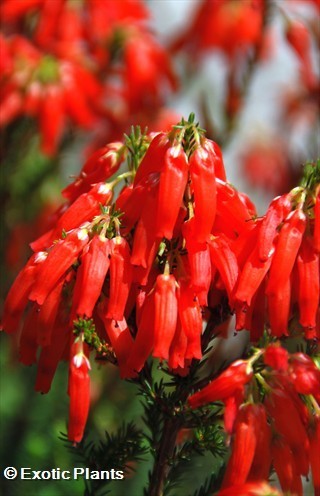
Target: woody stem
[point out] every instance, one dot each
(164, 453)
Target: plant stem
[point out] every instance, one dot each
(162, 460)
(172, 422)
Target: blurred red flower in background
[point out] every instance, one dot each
(229, 25)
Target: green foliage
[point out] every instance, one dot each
(118, 451)
(211, 483)
(87, 328)
(165, 415)
(311, 175)
(137, 145)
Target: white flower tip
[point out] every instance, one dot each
(80, 359)
(82, 234)
(40, 256)
(104, 189)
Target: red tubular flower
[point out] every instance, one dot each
(91, 274)
(59, 260)
(231, 408)
(200, 271)
(46, 315)
(260, 468)
(83, 209)
(254, 319)
(231, 25)
(243, 448)
(301, 407)
(48, 21)
(232, 210)
(278, 403)
(214, 150)
(18, 295)
(141, 274)
(50, 356)
(191, 320)
(279, 310)
(277, 211)
(144, 236)
(204, 189)
(243, 245)
(120, 277)
(76, 103)
(166, 313)
(250, 278)
(223, 258)
(89, 84)
(286, 251)
(199, 261)
(12, 11)
(178, 348)
(132, 201)
(144, 339)
(285, 467)
(100, 166)
(225, 385)
(147, 65)
(51, 118)
(11, 107)
(121, 341)
(173, 180)
(153, 160)
(69, 36)
(276, 357)
(79, 391)
(308, 274)
(143, 239)
(304, 375)
(298, 36)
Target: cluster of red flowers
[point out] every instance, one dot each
(46, 88)
(273, 417)
(229, 26)
(90, 63)
(138, 273)
(279, 260)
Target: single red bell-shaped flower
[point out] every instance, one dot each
(59, 260)
(18, 295)
(226, 384)
(243, 447)
(91, 274)
(79, 392)
(190, 318)
(173, 181)
(287, 247)
(308, 293)
(120, 277)
(166, 314)
(203, 181)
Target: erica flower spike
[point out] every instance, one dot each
(139, 275)
(283, 258)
